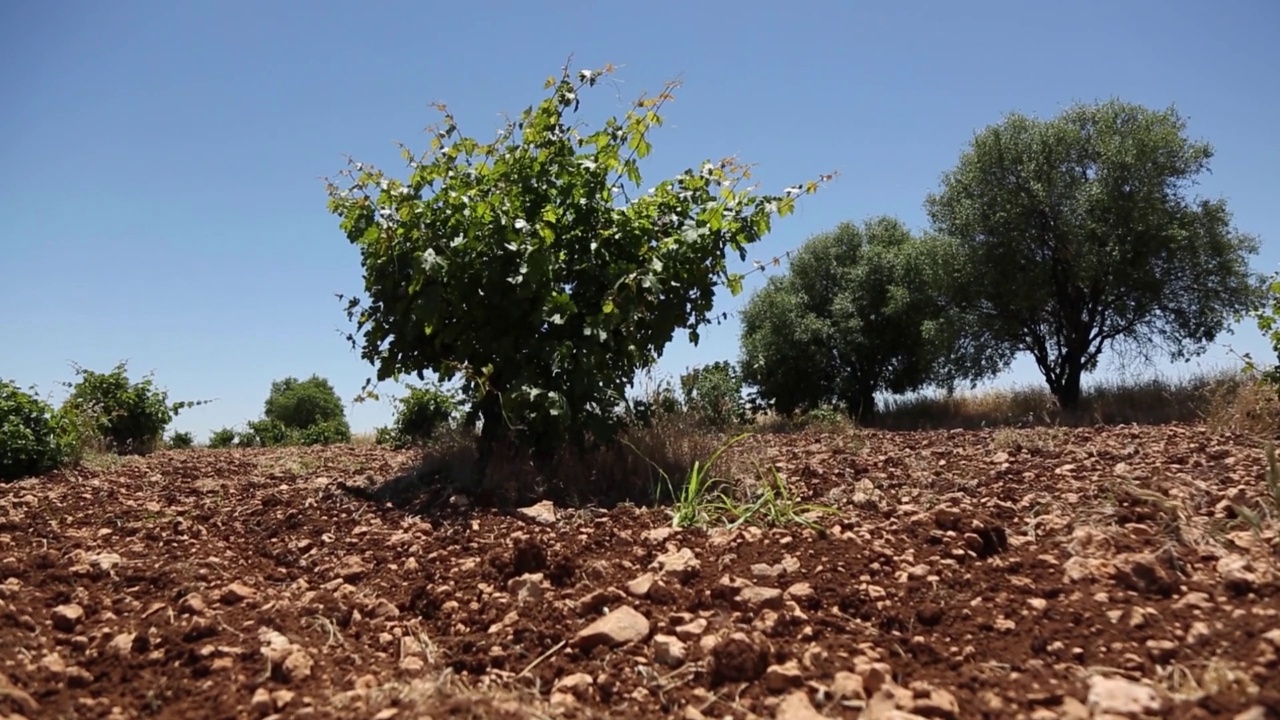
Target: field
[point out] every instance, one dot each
(1037, 573)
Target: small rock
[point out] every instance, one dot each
(67, 617)
(260, 705)
(934, 702)
(598, 600)
(848, 686)
(1118, 696)
(121, 644)
(658, 534)
(352, 569)
(1195, 599)
(78, 678)
(1162, 651)
(756, 598)
(578, 684)
(1256, 712)
(192, 604)
(281, 698)
(411, 664)
(297, 666)
(799, 592)
(527, 587)
(669, 650)
(543, 512)
(691, 630)
(1198, 632)
(386, 713)
(620, 627)
(276, 647)
(680, 565)
(639, 587)
(765, 572)
(796, 706)
(237, 592)
(1238, 575)
(54, 664)
(384, 609)
(783, 677)
(1143, 573)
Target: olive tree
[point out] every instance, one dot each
(536, 269)
(1079, 235)
(862, 310)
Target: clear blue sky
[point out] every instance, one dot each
(162, 199)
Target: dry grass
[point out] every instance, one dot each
(634, 469)
(1227, 399)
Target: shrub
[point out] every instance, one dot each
(422, 413)
(713, 393)
(539, 269)
(329, 432)
(123, 417)
(300, 404)
(31, 435)
(181, 440)
(222, 438)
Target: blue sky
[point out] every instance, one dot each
(163, 202)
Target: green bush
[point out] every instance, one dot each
(298, 412)
(420, 414)
(299, 404)
(123, 417)
(181, 440)
(713, 393)
(539, 269)
(330, 432)
(32, 440)
(223, 438)
(266, 432)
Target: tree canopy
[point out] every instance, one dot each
(861, 310)
(1078, 234)
(537, 269)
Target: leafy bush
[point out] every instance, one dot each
(123, 417)
(32, 439)
(420, 414)
(181, 440)
(714, 394)
(329, 432)
(538, 268)
(298, 412)
(300, 404)
(223, 438)
(266, 432)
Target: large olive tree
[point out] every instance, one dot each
(1079, 234)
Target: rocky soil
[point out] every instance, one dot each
(1093, 573)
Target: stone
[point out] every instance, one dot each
(680, 565)
(237, 592)
(543, 512)
(622, 626)
(796, 706)
(67, 617)
(1122, 697)
(669, 650)
(783, 677)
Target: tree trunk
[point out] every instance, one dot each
(861, 406)
(493, 431)
(1067, 389)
